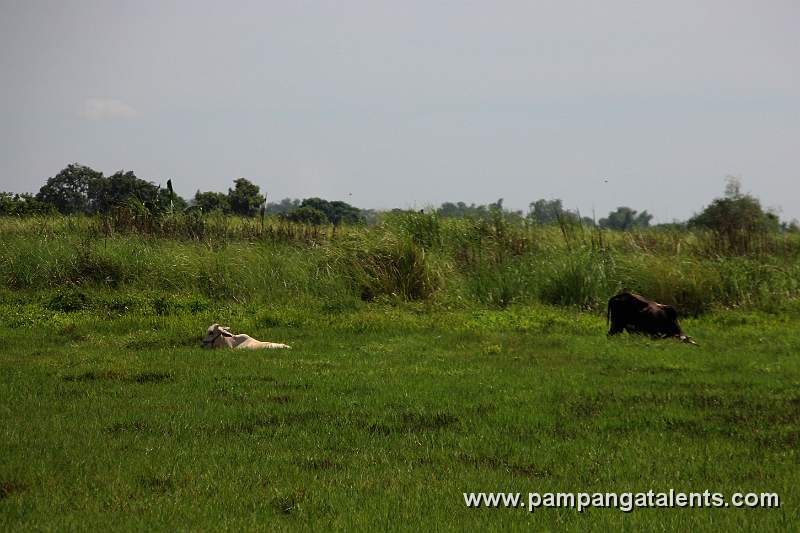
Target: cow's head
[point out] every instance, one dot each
(670, 325)
(215, 335)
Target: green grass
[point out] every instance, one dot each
(431, 357)
(382, 416)
(494, 263)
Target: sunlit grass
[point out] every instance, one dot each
(430, 357)
(380, 417)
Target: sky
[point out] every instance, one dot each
(410, 104)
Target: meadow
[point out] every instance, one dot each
(430, 358)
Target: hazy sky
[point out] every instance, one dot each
(411, 103)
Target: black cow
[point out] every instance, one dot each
(636, 314)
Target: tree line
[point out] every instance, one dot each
(79, 189)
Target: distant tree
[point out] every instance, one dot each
(450, 209)
(284, 206)
(23, 205)
(337, 212)
(462, 210)
(370, 216)
(625, 218)
(118, 189)
(167, 198)
(498, 205)
(245, 198)
(212, 201)
(68, 191)
(791, 227)
(307, 215)
(544, 212)
(735, 217)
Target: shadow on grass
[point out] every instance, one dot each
(526, 470)
(8, 488)
(413, 422)
(135, 426)
(111, 375)
(157, 484)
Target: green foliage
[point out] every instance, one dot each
(386, 268)
(22, 205)
(283, 207)
(117, 190)
(423, 229)
(581, 278)
(212, 201)
(336, 212)
(245, 198)
(79, 189)
(168, 201)
(68, 191)
(461, 210)
(544, 212)
(69, 300)
(737, 221)
(625, 219)
(307, 215)
(496, 261)
(501, 285)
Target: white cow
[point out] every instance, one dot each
(220, 337)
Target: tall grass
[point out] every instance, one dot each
(495, 261)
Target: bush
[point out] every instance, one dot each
(738, 222)
(387, 268)
(423, 229)
(581, 278)
(68, 300)
(307, 215)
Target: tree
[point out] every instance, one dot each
(544, 212)
(68, 190)
(307, 215)
(337, 212)
(212, 201)
(792, 226)
(461, 210)
(22, 205)
(106, 193)
(245, 198)
(283, 207)
(625, 218)
(167, 198)
(735, 217)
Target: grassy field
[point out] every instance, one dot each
(386, 410)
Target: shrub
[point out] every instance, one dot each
(389, 267)
(68, 300)
(579, 278)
